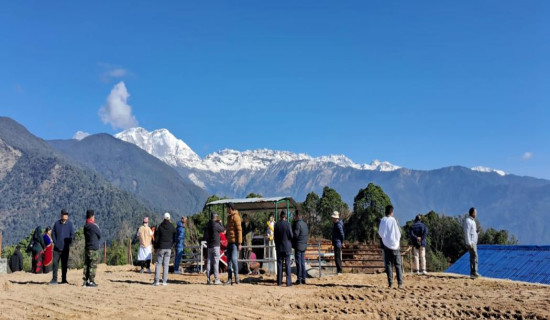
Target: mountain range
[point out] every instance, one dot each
(504, 201)
(139, 172)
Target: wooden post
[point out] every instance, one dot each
(0, 243)
(105, 252)
(129, 251)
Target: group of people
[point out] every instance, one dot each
(53, 245)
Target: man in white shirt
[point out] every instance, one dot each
(391, 236)
(470, 236)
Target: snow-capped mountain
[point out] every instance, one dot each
(485, 169)
(176, 153)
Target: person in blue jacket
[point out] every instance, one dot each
(418, 235)
(337, 240)
(180, 244)
(62, 236)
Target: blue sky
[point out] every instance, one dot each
(420, 84)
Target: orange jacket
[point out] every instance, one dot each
(234, 229)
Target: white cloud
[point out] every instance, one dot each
(527, 156)
(79, 135)
(111, 72)
(116, 111)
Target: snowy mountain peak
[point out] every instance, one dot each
(161, 144)
(485, 169)
(173, 151)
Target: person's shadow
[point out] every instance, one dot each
(149, 283)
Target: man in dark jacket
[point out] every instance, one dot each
(92, 235)
(300, 246)
(62, 236)
(337, 240)
(212, 238)
(165, 237)
(283, 244)
(418, 234)
(16, 260)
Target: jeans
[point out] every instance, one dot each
(232, 263)
(283, 256)
(338, 258)
(213, 265)
(300, 265)
(163, 260)
(473, 260)
(177, 259)
(393, 257)
(64, 256)
(420, 254)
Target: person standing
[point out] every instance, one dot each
(212, 238)
(234, 239)
(391, 236)
(145, 236)
(165, 236)
(270, 229)
(92, 235)
(180, 244)
(37, 251)
(470, 235)
(337, 240)
(62, 236)
(283, 243)
(48, 251)
(300, 246)
(419, 234)
(16, 260)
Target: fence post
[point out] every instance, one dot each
(105, 252)
(0, 243)
(319, 256)
(130, 256)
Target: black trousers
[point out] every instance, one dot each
(338, 259)
(64, 256)
(283, 256)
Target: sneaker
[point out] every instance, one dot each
(298, 282)
(238, 281)
(228, 283)
(303, 281)
(164, 284)
(85, 284)
(149, 270)
(177, 272)
(417, 273)
(141, 271)
(91, 284)
(65, 282)
(400, 286)
(208, 281)
(339, 273)
(425, 272)
(156, 284)
(218, 282)
(53, 282)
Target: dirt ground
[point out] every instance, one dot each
(126, 294)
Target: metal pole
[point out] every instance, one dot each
(319, 256)
(202, 257)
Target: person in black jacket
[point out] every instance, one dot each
(92, 235)
(283, 244)
(337, 240)
(300, 246)
(212, 238)
(62, 236)
(16, 260)
(418, 235)
(165, 237)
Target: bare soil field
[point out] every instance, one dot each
(126, 294)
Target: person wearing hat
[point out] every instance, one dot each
(145, 236)
(165, 236)
(92, 235)
(234, 240)
(212, 238)
(337, 240)
(62, 236)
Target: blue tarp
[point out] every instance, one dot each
(521, 263)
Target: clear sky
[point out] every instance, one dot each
(422, 84)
